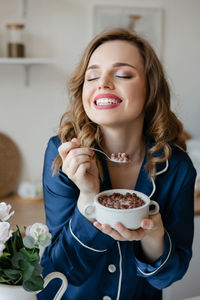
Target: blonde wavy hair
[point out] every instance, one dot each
(160, 123)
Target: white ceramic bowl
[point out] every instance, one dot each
(130, 218)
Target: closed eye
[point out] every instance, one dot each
(93, 78)
(124, 76)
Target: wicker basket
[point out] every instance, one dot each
(10, 165)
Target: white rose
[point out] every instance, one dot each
(36, 230)
(4, 211)
(2, 247)
(5, 232)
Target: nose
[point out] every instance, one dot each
(105, 82)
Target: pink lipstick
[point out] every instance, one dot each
(106, 101)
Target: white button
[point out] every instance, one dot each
(107, 298)
(111, 268)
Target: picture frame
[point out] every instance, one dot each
(146, 21)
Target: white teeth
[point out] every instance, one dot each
(107, 101)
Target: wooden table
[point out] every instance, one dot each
(27, 211)
(197, 203)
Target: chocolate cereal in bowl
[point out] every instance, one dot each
(121, 201)
(128, 207)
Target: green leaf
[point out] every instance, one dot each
(5, 263)
(37, 269)
(17, 257)
(27, 269)
(19, 281)
(5, 254)
(15, 242)
(29, 242)
(33, 256)
(19, 240)
(3, 280)
(12, 274)
(35, 283)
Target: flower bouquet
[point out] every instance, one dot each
(19, 256)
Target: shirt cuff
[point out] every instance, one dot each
(88, 235)
(145, 269)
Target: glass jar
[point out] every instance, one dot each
(15, 44)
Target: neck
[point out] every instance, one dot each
(124, 140)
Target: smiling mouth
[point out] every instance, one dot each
(107, 101)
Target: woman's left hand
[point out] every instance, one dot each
(150, 234)
(151, 227)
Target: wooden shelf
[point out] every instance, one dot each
(27, 62)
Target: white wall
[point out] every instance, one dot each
(182, 59)
(61, 29)
(188, 286)
(30, 115)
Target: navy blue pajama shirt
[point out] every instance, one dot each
(101, 268)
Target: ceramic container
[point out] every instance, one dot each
(12, 292)
(130, 218)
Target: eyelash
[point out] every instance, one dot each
(91, 79)
(124, 76)
(118, 76)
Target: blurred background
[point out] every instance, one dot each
(33, 93)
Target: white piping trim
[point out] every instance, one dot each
(165, 169)
(158, 173)
(170, 249)
(96, 250)
(154, 187)
(120, 271)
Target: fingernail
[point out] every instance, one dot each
(75, 140)
(145, 224)
(117, 226)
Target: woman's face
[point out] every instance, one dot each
(114, 89)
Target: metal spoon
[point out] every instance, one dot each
(110, 158)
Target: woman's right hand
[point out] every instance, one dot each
(78, 164)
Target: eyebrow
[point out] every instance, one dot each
(117, 64)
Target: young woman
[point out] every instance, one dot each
(120, 102)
